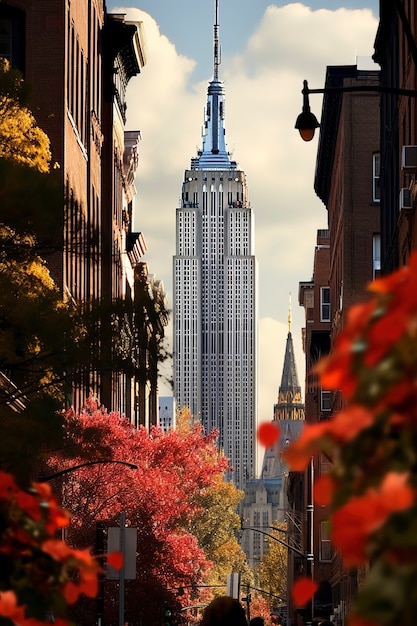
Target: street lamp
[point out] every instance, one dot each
(307, 123)
(67, 470)
(287, 545)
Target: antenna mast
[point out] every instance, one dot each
(216, 41)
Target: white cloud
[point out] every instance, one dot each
(263, 83)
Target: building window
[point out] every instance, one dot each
(6, 39)
(325, 304)
(325, 401)
(376, 183)
(12, 36)
(376, 255)
(325, 543)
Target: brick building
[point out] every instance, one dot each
(396, 52)
(365, 174)
(347, 258)
(314, 297)
(78, 60)
(347, 182)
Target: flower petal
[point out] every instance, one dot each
(303, 590)
(268, 433)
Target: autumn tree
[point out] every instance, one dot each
(218, 525)
(273, 566)
(35, 327)
(46, 340)
(216, 529)
(161, 498)
(21, 139)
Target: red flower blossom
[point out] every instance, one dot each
(268, 433)
(7, 486)
(383, 334)
(303, 590)
(344, 427)
(354, 522)
(299, 453)
(30, 519)
(337, 369)
(115, 560)
(324, 488)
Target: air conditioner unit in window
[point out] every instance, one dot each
(409, 158)
(406, 199)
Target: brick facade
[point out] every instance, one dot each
(77, 60)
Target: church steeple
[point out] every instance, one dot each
(289, 410)
(290, 405)
(213, 154)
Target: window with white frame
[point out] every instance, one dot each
(325, 543)
(325, 304)
(376, 184)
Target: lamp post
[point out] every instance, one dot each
(307, 122)
(74, 468)
(307, 556)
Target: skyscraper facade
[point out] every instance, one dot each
(215, 291)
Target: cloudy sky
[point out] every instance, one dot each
(267, 52)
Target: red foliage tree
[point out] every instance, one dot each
(158, 497)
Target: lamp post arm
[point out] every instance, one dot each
(360, 88)
(272, 595)
(67, 470)
(258, 530)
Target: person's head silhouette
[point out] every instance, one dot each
(224, 611)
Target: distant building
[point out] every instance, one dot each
(215, 315)
(167, 411)
(265, 501)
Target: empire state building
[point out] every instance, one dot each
(215, 302)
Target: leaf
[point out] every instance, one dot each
(324, 488)
(115, 560)
(303, 591)
(268, 433)
(361, 516)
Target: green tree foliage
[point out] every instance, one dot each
(273, 566)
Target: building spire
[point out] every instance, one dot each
(290, 405)
(213, 154)
(217, 52)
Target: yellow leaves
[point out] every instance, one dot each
(40, 272)
(26, 272)
(21, 139)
